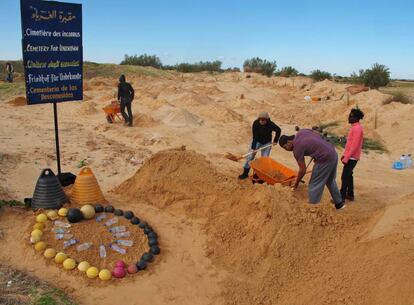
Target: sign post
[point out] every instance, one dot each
(52, 54)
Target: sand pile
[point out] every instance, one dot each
(18, 101)
(88, 108)
(177, 117)
(276, 250)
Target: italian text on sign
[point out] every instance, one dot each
(52, 51)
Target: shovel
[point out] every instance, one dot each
(235, 158)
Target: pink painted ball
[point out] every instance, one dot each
(119, 272)
(120, 264)
(132, 269)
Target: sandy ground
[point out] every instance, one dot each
(223, 241)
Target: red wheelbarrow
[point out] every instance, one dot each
(272, 172)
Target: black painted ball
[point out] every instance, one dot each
(152, 235)
(109, 209)
(155, 250)
(152, 242)
(99, 208)
(141, 265)
(118, 212)
(135, 220)
(74, 215)
(128, 214)
(147, 230)
(142, 224)
(148, 257)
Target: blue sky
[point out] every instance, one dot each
(336, 36)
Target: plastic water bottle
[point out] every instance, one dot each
(59, 230)
(122, 234)
(100, 217)
(102, 251)
(83, 247)
(126, 243)
(111, 221)
(117, 248)
(117, 229)
(62, 224)
(69, 243)
(409, 161)
(403, 160)
(63, 236)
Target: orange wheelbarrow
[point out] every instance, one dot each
(112, 112)
(272, 172)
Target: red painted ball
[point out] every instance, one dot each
(119, 272)
(120, 264)
(132, 269)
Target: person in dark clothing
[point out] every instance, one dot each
(262, 136)
(126, 96)
(9, 72)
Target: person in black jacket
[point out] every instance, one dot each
(262, 135)
(126, 96)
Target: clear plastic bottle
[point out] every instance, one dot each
(62, 224)
(117, 229)
(111, 221)
(63, 236)
(409, 161)
(122, 234)
(100, 217)
(59, 230)
(83, 247)
(69, 243)
(117, 248)
(102, 251)
(126, 243)
(403, 160)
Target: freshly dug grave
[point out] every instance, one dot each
(96, 233)
(274, 248)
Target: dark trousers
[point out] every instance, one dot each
(127, 117)
(347, 188)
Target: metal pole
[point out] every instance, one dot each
(57, 137)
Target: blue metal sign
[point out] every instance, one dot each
(52, 51)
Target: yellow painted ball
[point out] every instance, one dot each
(49, 253)
(40, 246)
(39, 226)
(35, 239)
(41, 218)
(88, 211)
(36, 233)
(63, 212)
(83, 266)
(92, 272)
(52, 215)
(60, 257)
(69, 264)
(105, 275)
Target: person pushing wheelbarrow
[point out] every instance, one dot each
(126, 96)
(262, 130)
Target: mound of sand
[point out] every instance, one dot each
(177, 117)
(88, 108)
(18, 101)
(275, 250)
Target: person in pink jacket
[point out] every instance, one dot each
(352, 153)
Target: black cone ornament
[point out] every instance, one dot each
(48, 193)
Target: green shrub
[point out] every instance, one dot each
(259, 65)
(399, 97)
(319, 75)
(142, 60)
(377, 76)
(288, 71)
(209, 66)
